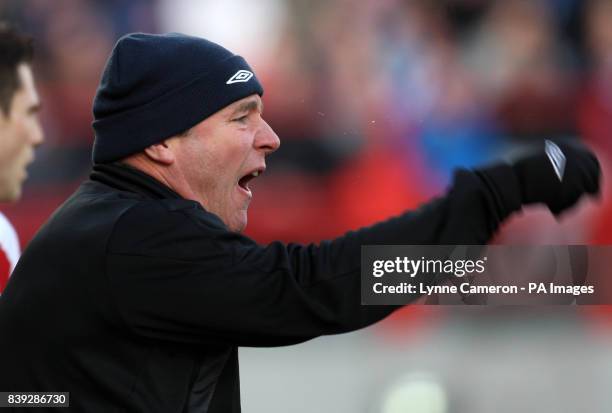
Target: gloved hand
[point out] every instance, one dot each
(558, 174)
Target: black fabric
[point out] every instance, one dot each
(158, 85)
(135, 300)
(540, 184)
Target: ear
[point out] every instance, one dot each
(160, 153)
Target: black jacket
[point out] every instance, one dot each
(134, 299)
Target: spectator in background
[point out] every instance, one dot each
(20, 133)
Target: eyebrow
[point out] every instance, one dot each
(248, 106)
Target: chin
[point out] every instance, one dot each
(236, 228)
(11, 195)
(238, 225)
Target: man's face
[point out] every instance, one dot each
(221, 154)
(20, 132)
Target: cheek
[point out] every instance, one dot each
(230, 163)
(13, 145)
(204, 173)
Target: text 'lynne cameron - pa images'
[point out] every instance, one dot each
(485, 275)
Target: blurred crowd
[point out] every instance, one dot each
(375, 101)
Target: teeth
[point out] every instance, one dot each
(256, 173)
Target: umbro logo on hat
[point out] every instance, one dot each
(240, 76)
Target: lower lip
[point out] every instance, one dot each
(245, 192)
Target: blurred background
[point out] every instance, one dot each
(376, 102)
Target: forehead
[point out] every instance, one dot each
(221, 117)
(252, 102)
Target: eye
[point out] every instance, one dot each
(241, 119)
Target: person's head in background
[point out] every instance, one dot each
(20, 130)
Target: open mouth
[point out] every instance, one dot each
(246, 179)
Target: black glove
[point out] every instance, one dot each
(558, 174)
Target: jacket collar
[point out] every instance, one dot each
(126, 178)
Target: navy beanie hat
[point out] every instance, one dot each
(157, 86)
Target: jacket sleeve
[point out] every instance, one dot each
(178, 274)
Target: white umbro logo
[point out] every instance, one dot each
(557, 158)
(240, 76)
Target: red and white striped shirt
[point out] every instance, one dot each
(9, 250)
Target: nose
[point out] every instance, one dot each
(36, 133)
(266, 139)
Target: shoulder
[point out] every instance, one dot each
(153, 226)
(161, 213)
